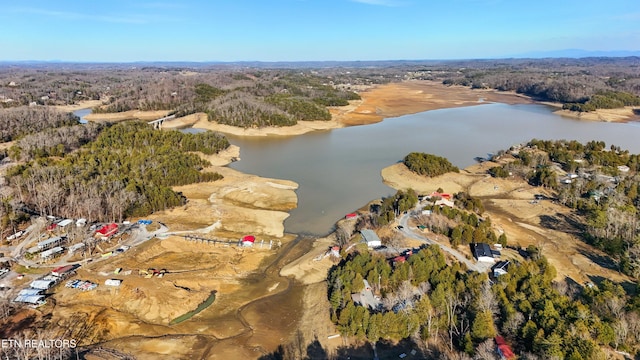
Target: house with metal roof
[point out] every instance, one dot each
(46, 244)
(30, 299)
(482, 252)
(371, 238)
(501, 268)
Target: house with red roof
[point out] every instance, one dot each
(107, 231)
(248, 240)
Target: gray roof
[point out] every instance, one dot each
(26, 292)
(49, 242)
(482, 250)
(31, 299)
(369, 235)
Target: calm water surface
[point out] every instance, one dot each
(339, 170)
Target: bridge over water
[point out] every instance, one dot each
(157, 124)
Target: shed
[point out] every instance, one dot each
(76, 247)
(482, 252)
(248, 240)
(30, 299)
(351, 216)
(30, 291)
(113, 282)
(65, 222)
(371, 238)
(81, 222)
(42, 284)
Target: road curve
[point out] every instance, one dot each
(407, 231)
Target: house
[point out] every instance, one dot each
(444, 202)
(440, 195)
(81, 222)
(366, 298)
(501, 268)
(47, 254)
(63, 271)
(248, 240)
(351, 216)
(46, 244)
(482, 252)
(623, 168)
(371, 238)
(335, 251)
(399, 260)
(106, 231)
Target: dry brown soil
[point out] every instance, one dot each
(509, 203)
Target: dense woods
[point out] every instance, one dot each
(428, 298)
(575, 82)
(18, 122)
(428, 165)
(454, 311)
(55, 141)
(128, 170)
(601, 183)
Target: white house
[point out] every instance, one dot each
(501, 268)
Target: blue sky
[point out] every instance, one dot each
(301, 30)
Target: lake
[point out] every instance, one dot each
(339, 170)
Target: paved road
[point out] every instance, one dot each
(409, 232)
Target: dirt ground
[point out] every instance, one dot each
(258, 306)
(625, 114)
(86, 104)
(378, 102)
(510, 205)
(127, 115)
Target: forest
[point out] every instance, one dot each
(428, 165)
(604, 190)
(454, 311)
(126, 170)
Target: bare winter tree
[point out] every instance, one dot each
(486, 350)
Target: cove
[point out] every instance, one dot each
(339, 170)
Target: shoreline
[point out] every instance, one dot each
(508, 202)
(377, 103)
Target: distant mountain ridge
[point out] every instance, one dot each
(578, 53)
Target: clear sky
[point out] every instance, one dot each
(301, 30)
